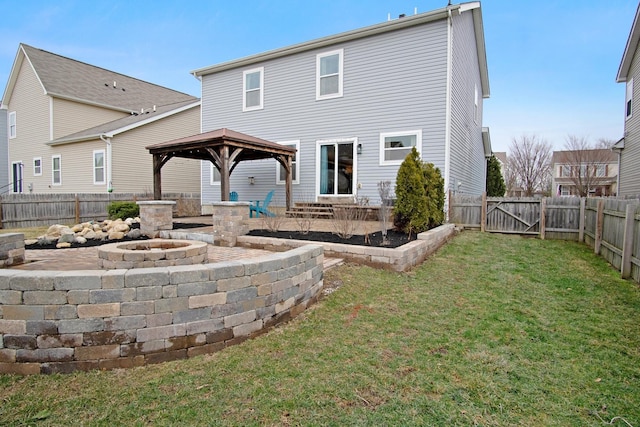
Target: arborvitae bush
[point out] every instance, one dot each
(495, 181)
(434, 191)
(123, 210)
(410, 211)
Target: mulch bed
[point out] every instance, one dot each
(394, 238)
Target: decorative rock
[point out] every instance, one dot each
(55, 230)
(67, 238)
(77, 228)
(134, 234)
(89, 235)
(63, 245)
(30, 241)
(45, 240)
(81, 240)
(101, 235)
(116, 235)
(120, 227)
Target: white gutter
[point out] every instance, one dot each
(108, 161)
(447, 112)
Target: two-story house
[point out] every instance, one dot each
(585, 172)
(75, 127)
(628, 148)
(354, 104)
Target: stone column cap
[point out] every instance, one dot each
(156, 202)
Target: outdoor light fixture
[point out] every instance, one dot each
(251, 180)
(359, 148)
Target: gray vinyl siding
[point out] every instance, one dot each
(630, 157)
(4, 152)
(467, 162)
(394, 81)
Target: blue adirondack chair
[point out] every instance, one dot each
(233, 196)
(261, 209)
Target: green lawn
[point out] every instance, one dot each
(493, 330)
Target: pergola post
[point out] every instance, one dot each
(157, 177)
(288, 183)
(224, 174)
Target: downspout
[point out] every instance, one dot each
(447, 120)
(108, 161)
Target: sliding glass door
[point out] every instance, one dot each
(336, 167)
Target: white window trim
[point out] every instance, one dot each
(34, 166)
(383, 135)
(296, 144)
(12, 127)
(211, 181)
(628, 112)
(104, 167)
(340, 53)
(59, 157)
(244, 89)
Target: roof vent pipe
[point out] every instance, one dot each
(114, 83)
(154, 108)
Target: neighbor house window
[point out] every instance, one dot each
(329, 74)
(565, 170)
(12, 124)
(56, 170)
(601, 170)
(37, 166)
(214, 175)
(394, 146)
(253, 89)
(281, 174)
(98, 167)
(629, 99)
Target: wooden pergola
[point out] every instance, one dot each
(225, 149)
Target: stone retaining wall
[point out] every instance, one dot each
(402, 258)
(81, 320)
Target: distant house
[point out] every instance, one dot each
(628, 148)
(585, 173)
(354, 104)
(75, 127)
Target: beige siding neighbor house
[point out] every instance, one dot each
(77, 128)
(628, 148)
(585, 173)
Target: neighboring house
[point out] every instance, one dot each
(354, 104)
(586, 172)
(74, 127)
(628, 148)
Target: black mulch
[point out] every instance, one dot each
(394, 238)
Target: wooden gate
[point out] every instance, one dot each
(521, 216)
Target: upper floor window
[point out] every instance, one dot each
(601, 170)
(629, 99)
(56, 170)
(329, 74)
(253, 89)
(281, 173)
(394, 146)
(37, 166)
(98, 167)
(12, 125)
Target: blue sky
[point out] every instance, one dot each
(552, 64)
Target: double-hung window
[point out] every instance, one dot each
(281, 173)
(37, 166)
(329, 74)
(394, 146)
(12, 125)
(98, 167)
(253, 89)
(214, 175)
(56, 170)
(628, 106)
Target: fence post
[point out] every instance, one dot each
(627, 245)
(543, 221)
(581, 220)
(599, 224)
(483, 212)
(77, 209)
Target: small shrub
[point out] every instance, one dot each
(347, 217)
(434, 191)
(123, 210)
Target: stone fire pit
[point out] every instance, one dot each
(151, 253)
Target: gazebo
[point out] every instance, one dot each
(225, 148)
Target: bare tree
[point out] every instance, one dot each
(530, 163)
(584, 164)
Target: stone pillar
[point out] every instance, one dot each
(11, 249)
(156, 215)
(229, 222)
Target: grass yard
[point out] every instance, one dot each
(493, 330)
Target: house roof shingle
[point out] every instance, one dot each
(71, 79)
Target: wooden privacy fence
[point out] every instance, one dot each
(609, 226)
(31, 210)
